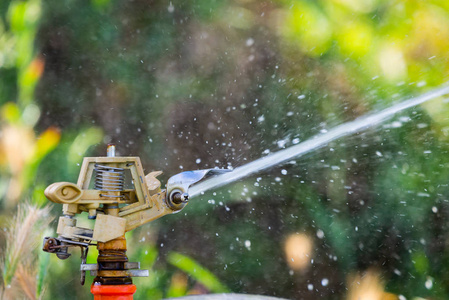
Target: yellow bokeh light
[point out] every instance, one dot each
(392, 63)
(298, 251)
(367, 286)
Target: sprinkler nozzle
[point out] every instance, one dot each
(179, 198)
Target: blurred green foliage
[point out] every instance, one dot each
(198, 84)
(191, 267)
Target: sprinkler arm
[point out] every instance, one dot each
(171, 200)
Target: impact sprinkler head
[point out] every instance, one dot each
(117, 207)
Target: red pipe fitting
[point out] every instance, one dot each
(113, 292)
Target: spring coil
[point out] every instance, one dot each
(109, 179)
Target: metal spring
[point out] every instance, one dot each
(109, 179)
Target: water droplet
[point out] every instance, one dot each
(421, 83)
(324, 282)
(429, 283)
(421, 194)
(281, 143)
(171, 8)
(422, 125)
(248, 244)
(249, 42)
(396, 124)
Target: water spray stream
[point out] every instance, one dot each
(313, 143)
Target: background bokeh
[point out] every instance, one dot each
(198, 84)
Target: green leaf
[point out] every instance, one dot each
(198, 272)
